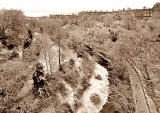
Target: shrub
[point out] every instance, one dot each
(129, 21)
(31, 53)
(33, 23)
(54, 84)
(87, 23)
(49, 26)
(107, 20)
(120, 71)
(72, 78)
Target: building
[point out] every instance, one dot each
(156, 11)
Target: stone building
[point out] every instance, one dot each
(156, 11)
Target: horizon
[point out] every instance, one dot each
(50, 7)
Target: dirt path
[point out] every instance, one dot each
(143, 103)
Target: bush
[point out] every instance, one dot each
(31, 53)
(87, 23)
(48, 26)
(120, 71)
(72, 78)
(107, 20)
(33, 23)
(54, 85)
(116, 17)
(129, 21)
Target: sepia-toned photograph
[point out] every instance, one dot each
(79, 56)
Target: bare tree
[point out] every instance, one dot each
(56, 34)
(61, 37)
(129, 19)
(13, 20)
(59, 50)
(47, 54)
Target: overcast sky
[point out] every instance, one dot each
(46, 7)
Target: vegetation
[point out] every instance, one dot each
(59, 43)
(12, 24)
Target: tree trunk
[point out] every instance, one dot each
(59, 53)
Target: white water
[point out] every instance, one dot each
(99, 87)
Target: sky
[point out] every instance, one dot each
(46, 7)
